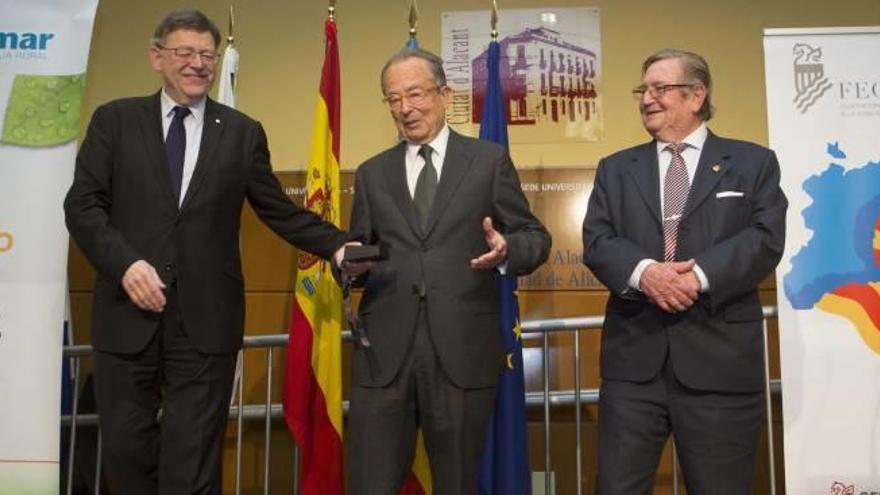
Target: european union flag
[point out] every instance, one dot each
(504, 469)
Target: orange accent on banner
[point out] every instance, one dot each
(860, 304)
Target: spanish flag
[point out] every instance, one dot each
(313, 377)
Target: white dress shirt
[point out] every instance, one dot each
(691, 155)
(192, 124)
(415, 162)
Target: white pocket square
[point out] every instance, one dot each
(729, 194)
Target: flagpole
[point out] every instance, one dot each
(494, 20)
(231, 38)
(226, 96)
(331, 10)
(413, 22)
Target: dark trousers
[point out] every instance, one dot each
(383, 424)
(716, 435)
(179, 452)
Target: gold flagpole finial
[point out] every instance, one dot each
(413, 18)
(231, 37)
(331, 10)
(494, 20)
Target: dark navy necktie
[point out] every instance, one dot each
(175, 148)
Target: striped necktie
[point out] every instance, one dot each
(675, 192)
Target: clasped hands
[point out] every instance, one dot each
(673, 285)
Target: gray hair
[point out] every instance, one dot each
(435, 64)
(696, 71)
(190, 19)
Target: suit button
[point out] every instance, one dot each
(168, 267)
(419, 289)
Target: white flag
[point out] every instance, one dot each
(228, 74)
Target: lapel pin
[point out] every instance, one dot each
(716, 168)
(216, 121)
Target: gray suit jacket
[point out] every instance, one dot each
(737, 239)
(478, 180)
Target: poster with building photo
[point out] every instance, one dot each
(550, 72)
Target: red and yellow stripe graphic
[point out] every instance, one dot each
(313, 377)
(859, 303)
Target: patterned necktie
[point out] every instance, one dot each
(675, 191)
(426, 186)
(175, 149)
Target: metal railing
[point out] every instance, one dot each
(546, 398)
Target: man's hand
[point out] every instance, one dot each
(351, 269)
(144, 287)
(497, 248)
(673, 286)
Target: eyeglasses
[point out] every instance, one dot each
(657, 91)
(185, 54)
(416, 97)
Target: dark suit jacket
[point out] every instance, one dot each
(120, 209)
(477, 180)
(736, 239)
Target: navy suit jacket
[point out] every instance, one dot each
(121, 208)
(733, 225)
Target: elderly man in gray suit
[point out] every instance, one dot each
(681, 230)
(449, 210)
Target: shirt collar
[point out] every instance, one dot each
(694, 140)
(438, 144)
(197, 109)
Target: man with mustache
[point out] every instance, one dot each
(682, 230)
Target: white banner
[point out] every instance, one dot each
(823, 102)
(44, 47)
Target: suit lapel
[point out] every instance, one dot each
(212, 129)
(455, 164)
(150, 122)
(395, 175)
(645, 171)
(714, 163)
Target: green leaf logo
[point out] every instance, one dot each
(43, 110)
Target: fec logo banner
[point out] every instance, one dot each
(823, 103)
(44, 47)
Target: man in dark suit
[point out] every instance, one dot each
(449, 210)
(682, 230)
(155, 206)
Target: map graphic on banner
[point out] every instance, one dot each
(838, 270)
(823, 105)
(550, 70)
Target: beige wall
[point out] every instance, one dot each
(281, 47)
